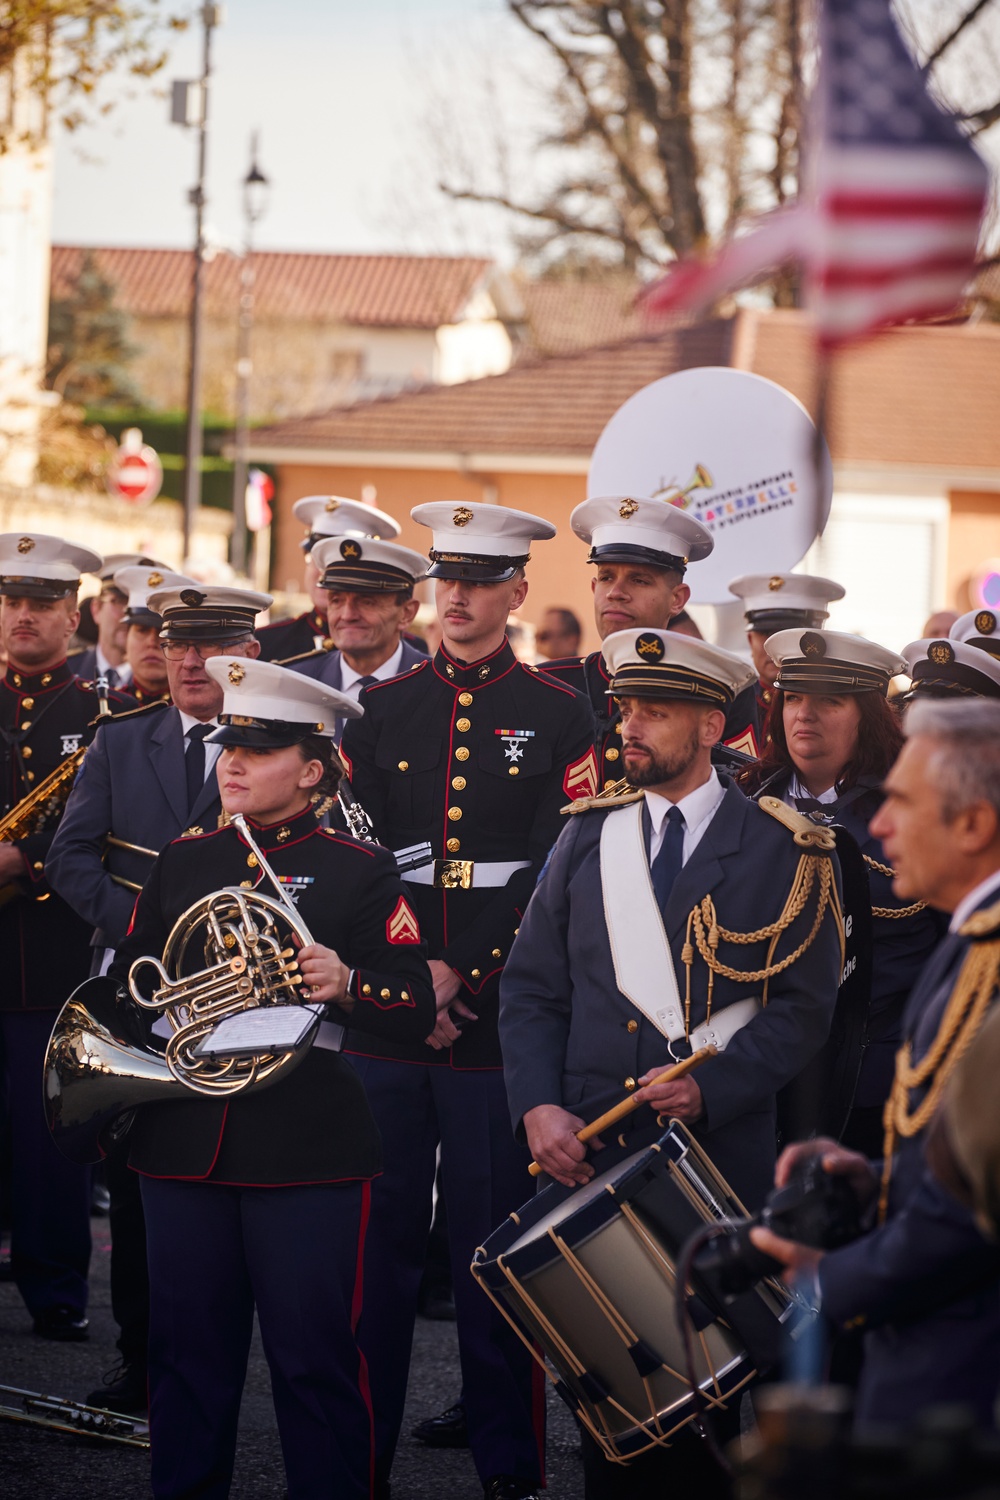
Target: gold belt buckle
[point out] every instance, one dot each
(453, 874)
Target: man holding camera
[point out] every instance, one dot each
(924, 1283)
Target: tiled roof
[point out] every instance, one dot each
(563, 315)
(395, 291)
(915, 396)
(541, 406)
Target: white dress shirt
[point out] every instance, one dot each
(698, 808)
(796, 789)
(349, 679)
(211, 751)
(975, 898)
(123, 674)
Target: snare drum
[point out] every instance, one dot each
(590, 1278)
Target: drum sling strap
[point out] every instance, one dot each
(640, 952)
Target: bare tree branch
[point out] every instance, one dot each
(955, 33)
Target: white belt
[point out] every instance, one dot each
(720, 1030)
(465, 874)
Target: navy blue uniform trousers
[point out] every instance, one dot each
(49, 1195)
(296, 1252)
(484, 1176)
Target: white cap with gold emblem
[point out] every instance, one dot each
(830, 661)
(36, 566)
(138, 582)
(979, 628)
(944, 669)
(334, 515)
(628, 528)
(359, 564)
(478, 542)
(269, 707)
(663, 664)
(779, 601)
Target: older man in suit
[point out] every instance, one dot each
(369, 587)
(142, 786)
(591, 1010)
(925, 1284)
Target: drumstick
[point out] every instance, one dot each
(632, 1101)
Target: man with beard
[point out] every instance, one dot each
(594, 1009)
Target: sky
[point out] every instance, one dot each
(337, 90)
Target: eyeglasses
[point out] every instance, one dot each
(177, 650)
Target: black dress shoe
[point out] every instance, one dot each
(437, 1304)
(449, 1430)
(65, 1324)
(509, 1487)
(123, 1389)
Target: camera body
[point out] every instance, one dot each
(814, 1208)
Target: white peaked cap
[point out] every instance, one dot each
(334, 515)
(666, 664)
(628, 528)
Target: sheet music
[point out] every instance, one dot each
(267, 1028)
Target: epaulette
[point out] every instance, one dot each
(806, 833)
(133, 713)
(324, 650)
(603, 801)
(982, 924)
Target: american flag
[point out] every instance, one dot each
(887, 228)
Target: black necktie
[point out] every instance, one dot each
(811, 805)
(194, 762)
(667, 865)
(364, 682)
(113, 677)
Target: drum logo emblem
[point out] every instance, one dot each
(650, 646)
(940, 653)
(813, 646)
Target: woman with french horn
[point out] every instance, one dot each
(261, 1197)
(831, 738)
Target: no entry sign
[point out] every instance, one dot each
(135, 474)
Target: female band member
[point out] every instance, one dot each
(831, 738)
(263, 1201)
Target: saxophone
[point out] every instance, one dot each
(42, 806)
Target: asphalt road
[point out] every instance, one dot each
(41, 1465)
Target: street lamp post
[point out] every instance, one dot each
(190, 107)
(255, 192)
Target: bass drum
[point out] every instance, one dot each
(588, 1277)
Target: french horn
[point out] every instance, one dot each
(100, 1063)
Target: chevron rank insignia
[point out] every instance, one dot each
(581, 779)
(402, 926)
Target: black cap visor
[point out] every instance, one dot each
(770, 621)
(836, 678)
(38, 588)
(622, 552)
(677, 684)
(474, 569)
(932, 679)
(357, 579)
(260, 734)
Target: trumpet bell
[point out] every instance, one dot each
(96, 1072)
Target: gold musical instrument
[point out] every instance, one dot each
(59, 1415)
(42, 805)
(99, 1064)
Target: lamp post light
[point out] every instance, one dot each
(256, 189)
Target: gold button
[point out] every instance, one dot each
(475, 973)
(454, 813)
(462, 725)
(252, 861)
(630, 1084)
(608, 782)
(404, 765)
(453, 846)
(27, 751)
(516, 931)
(632, 1026)
(29, 775)
(465, 699)
(618, 727)
(513, 771)
(385, 994)
(17, 680)
(38, 865)
(25, 724)
(27, 702)
(611, 754)
(462, 753)
(496, 953)
(404, 995)
(458, 782)
(45, 680)
(366, 989)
